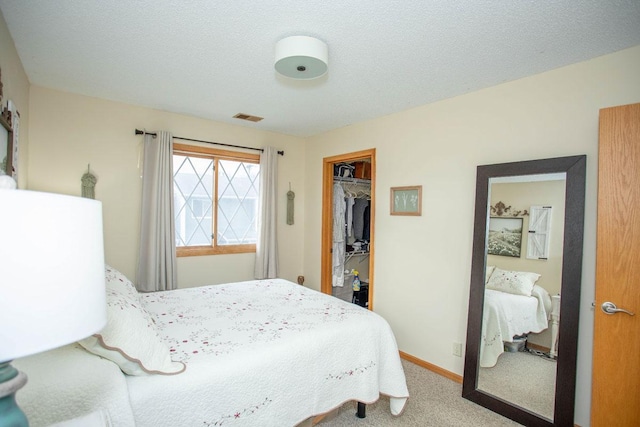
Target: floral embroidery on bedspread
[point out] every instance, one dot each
(270, 329)
(490, 341)
(351, 372)
(218, 320)
(238, 415)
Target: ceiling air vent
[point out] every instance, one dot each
(248, 117)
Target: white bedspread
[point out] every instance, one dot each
(265, 353)
(504, 316)
(69, 382)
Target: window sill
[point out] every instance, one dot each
(214, 250)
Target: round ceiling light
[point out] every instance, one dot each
(301, 57)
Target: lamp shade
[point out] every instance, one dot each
(52, 286)
(301, 57)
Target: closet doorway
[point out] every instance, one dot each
(358, 251)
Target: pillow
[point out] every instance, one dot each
(488, 272)
(118, 281)
(512, 282)
(130, 338)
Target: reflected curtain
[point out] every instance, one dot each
(266, 266)
(157, 256)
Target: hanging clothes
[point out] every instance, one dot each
(366, 226)
(339, 207)
(358, 218)
(350, 203)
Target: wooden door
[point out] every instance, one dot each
(616, 352)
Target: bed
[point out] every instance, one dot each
(513, 306)
(263, 352)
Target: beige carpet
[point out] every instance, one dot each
(524, 379)
(434, 401)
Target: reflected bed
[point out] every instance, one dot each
(506, 315)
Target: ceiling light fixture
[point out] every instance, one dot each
(301, 57)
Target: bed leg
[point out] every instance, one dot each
(362, 408)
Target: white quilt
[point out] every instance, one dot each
(264, 353)
(504, 316)
(69, 382)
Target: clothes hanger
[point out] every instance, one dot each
(349, 190)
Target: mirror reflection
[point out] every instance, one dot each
(523, 277)
(4, 149)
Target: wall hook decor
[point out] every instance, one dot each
(500, 209)
(88, 184)
(290, 196)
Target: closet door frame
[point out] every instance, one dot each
(327, 217)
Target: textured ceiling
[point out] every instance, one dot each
(213, 59)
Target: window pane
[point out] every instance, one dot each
(192, 193)
(238, 184)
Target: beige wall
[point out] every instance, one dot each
(15, 88)
(423, 263)
(69, 132)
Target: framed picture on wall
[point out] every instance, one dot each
(406, 200)
(505, 236)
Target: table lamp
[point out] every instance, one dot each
(52, 286)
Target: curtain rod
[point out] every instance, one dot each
(141, 132)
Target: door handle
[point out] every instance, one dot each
(610, 308)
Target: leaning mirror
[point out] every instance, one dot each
(6, 144)
(525, 289)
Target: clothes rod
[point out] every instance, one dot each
(141, 132)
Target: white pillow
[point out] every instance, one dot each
(130, 338)
(512, 282)
(118, 281)
(488, 272)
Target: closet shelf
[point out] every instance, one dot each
(349, 255)
(352, 180)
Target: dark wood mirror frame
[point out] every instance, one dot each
(575, 169)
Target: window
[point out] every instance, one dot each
(215, 196)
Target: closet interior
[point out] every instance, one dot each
(351, 231)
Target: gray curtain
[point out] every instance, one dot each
(266, 266)
(157, 257)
